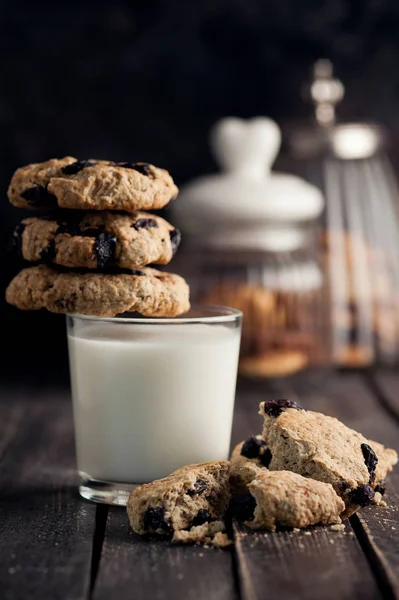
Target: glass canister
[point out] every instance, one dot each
(360, 223)
(255, 246)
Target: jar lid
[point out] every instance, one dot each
(246, 193)
(345, 141)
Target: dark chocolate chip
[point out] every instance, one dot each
(198, 488)
(362, 495)
(105, 249)
(144, 224)
(250, 448)
(274, 408)
(242, 508)
(154, 519)
(370, 459)
(202, 517)
(381, 488)
(48, 254)
(77, 166)
(39, 196)
(15, 241)
(256, 448)
(175, 238)
(265, 457)
(142, 168)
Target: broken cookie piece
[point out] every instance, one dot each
(287, 499)
(183, 505)
(247, 457)
(321, 447)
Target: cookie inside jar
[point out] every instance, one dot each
(256, 247)
(283, 298)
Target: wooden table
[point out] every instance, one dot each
(54, 545)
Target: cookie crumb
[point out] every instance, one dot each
(207, 533)
(221, 540)
(296, 530)
(332, 542)
(308, 533)
(338, 527)
(383, 504)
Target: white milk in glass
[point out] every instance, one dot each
(148, 399)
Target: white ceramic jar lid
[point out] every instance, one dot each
(246, 193)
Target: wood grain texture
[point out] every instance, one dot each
(247, 421)
(385, 386)
(308, 565)
(135, 567)
(46, 531)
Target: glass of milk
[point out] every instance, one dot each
(150, 395)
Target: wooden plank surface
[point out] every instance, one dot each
(310, 565)
(46, 530)
(385, 385)
(135, 567)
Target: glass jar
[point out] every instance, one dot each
(282, 294)
(258, 250)
(349, 163)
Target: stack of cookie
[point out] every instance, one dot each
(91, 249)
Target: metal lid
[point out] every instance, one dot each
(343, 140)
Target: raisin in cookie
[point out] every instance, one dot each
(287, 499)
(97, 240)
(253, 452)
(185, 501)
(321, 447)
(91, 185)
(147, 291)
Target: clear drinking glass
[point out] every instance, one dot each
(150, 395)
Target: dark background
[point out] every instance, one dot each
(145, 81)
